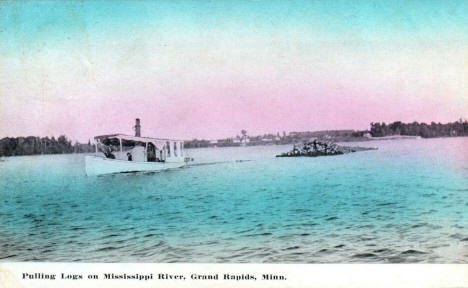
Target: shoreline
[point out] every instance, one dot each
(403, 137)
(361, 139)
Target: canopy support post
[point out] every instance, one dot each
(146, 151)
(120, 141)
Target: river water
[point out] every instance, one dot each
(403, 203)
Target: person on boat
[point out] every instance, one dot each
(129, 156)
(108, 153)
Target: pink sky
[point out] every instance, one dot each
(211, 84)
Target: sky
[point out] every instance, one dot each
(207, 69)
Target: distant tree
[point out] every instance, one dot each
(457, 128)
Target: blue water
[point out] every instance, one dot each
(406, 202)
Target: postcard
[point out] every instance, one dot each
(233, 143)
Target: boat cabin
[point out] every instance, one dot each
(139, 149)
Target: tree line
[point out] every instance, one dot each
(15, 146)
(458, 128)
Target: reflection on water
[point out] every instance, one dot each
(406, 202)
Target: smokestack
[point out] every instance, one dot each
(137, 128)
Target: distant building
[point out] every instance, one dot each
(294, 134)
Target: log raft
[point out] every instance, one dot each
(317, 148)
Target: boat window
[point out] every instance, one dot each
(168, 145)
(175, 149)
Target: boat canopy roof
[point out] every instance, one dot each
(134, 138)
(157, 142)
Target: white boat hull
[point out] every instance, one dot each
(96, 165)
